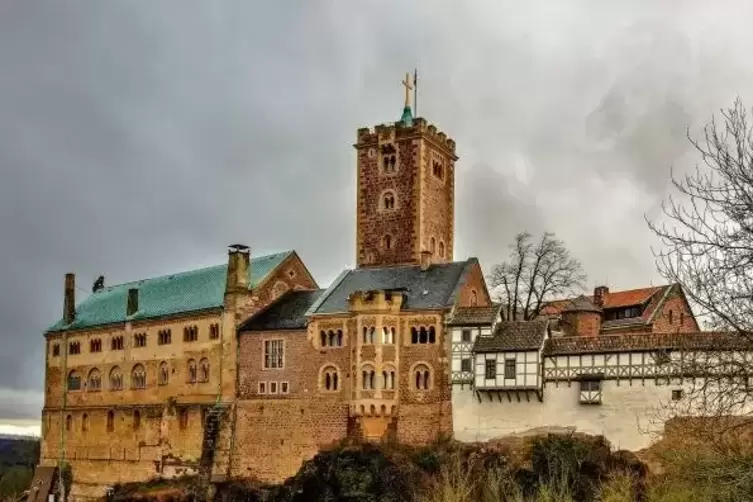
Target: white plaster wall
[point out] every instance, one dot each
(527, 372)
(629, 417)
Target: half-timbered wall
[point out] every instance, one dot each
(637, 392)
(462, 340)
(526, 375)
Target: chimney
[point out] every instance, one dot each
(238, 264)
(133, 301)
(69, 300)
(600, 293)
(425, 260)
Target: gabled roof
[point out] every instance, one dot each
(288, 312)
(513, 336)
(474, 316)
(616, 299)
(581, 304)
(434, 288)
(640, 342)
(191, 291)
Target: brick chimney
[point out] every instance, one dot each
(133, 301)
(600, 294)
(69, 299)
(425, 260)
(238, 264)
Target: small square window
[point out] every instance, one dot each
(466, 335)
(283, 387)
(273, 387)
(262, 387)
(677, 394)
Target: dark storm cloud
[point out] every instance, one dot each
(139, 138)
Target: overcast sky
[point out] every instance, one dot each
(139, 138)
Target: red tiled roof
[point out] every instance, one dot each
(613, 299)
(700, 340)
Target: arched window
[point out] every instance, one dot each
(671, 315)
(388, 158)
(413, 335)
(441, 249)
(388, 200)
(331, 337)
(388, 335)
(95, 380)
(339, 338)
(164, 373)
(423, 335)
(204, 370)
(365, 334)
(84, 423)
(422, 377)
(191, 371)
(68, 422)
(387, 242)
(433, 245)
(330, 379)
(474, 298)
(74, 380)
(368, 378)
(136, 420)
(138, 377)
(432, 334)
(116, 378)
(110, 421)
(372, 338)
(682, 318)
(388, 379)
(323, 338)
(183, 418)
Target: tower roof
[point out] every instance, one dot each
(581, 304)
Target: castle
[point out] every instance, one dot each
(247, 369)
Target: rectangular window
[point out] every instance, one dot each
(139, 340)
(74, 348)
(273, 387)
(214, 331)
(273, 354)
(491, 369)
(466, 335)
(465, 365)
(510, 369)
(262, 387)
(95, 345)
(677, 394)
(284, 387)
(55, 350)
(590, 392)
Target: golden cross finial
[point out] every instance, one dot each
(408, 88)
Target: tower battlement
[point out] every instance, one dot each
(398, 130)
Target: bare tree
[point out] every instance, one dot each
(534, 274)
(707, 236)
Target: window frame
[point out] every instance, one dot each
(511, 367)
(267, 354)
(490, 369)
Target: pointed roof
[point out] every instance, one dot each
(190, 291)
(407, 117)
(581, 304)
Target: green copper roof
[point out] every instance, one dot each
(167, 295)
(407, 118)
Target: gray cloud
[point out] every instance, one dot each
(138, 138)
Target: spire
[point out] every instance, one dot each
(407, 117)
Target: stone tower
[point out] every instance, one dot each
(406, 194)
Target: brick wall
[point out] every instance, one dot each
(474, 283)
(681, 318)
(437, 202)
(374, 222)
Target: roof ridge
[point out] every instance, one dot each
(200, 269)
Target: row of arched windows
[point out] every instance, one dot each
(422, 378)
(423, 335)
(136, 424)
(369, 335)
(331, 338)
(196, 373)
